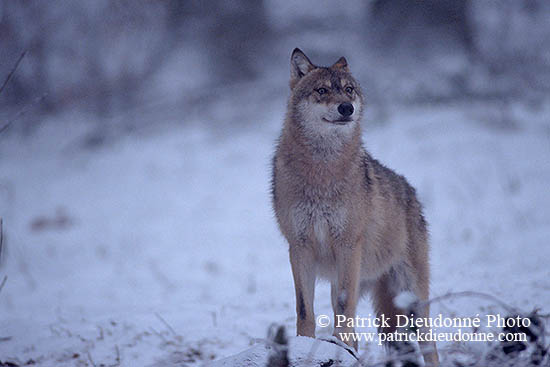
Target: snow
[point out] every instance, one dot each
(405, 300)
(320, 351)
(170, 254)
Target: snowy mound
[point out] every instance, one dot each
(302, 351)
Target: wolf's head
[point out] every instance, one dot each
(325, 101)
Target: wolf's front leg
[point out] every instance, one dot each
(345, 290)
(303, 271)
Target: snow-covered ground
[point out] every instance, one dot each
(162, 249)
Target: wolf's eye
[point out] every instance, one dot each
(322, 90)
(349, 90)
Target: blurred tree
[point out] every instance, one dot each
(237, 34)
(234, 34)
(505, 43)
(95, 53)
(100, 53)
(421, 24)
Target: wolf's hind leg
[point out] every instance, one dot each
(386, 289)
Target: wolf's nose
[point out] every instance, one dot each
(345, 109)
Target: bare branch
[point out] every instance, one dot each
(3, 282)
(452, 295)
(166, 324)
(12, 72)
(22, 112)
(117, 359)
(1, 247)
(1, 238)
(90, 358)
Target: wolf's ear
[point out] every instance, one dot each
(342, 63)
(299, 66)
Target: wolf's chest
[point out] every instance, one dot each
(318, 221)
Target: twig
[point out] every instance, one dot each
(90, 358)
(22, 112)
(3, 282)
(166, 324)
(451, 295)
(13, 70)
(154, 331)
(117, 359)
(1, 238)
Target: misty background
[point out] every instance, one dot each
(136, 61)
(135, 147)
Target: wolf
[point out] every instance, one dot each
(347, 218)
